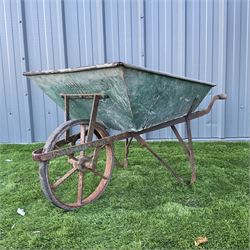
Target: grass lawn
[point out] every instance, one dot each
(142, 208)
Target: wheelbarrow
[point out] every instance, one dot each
(76, 162)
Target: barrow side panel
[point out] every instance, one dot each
(114, 112)
(155, 98)
(138, 99)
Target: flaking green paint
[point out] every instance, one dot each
(137, 98)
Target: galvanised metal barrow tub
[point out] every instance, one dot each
(76, 161)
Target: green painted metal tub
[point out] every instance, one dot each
(139, 98)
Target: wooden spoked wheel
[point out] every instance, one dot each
(73, 181)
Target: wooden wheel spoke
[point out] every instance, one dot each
(63, 178)
(80, 188)
(72, 160)
(82, 163)
(95, 172)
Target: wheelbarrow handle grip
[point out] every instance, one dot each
(214, 99)
(209, 107)
(222, 96)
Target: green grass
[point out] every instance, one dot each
(142, 208)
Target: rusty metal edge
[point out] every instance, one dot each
(113, 65)
(38, 155)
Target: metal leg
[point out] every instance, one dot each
(93, 118)
(191, 156)
(188, 148)
(127, 144)
(66, 115)
(183, 144)
(82, 137)
(166, 165)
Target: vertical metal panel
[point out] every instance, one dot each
(112, 31)
(4, 123)
(84, 32)
(45, 43)
(219, 65)
(207, 40)
(237, 108)
(124, 31)
(138, 32)
(124, 21)
(233, 57)
(244, 115)
(15, 117)
(193, 47)
(205, 59)
(237, 69)
(165, 44)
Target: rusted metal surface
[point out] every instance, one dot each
(127, 145)
(80, 188)
(38, 156)
(82, 136)
(63, 178)
(191, 153)
(109, 140)
(93, 118)
(188, 148)
(80, 165)
(93, 114)
(66, 114)
(178, 136)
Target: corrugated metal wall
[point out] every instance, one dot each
(207, 40)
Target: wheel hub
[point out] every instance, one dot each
(83, 163)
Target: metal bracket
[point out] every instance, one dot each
(127, 145)
(96, 97)
(93, 118)
(187, 147)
